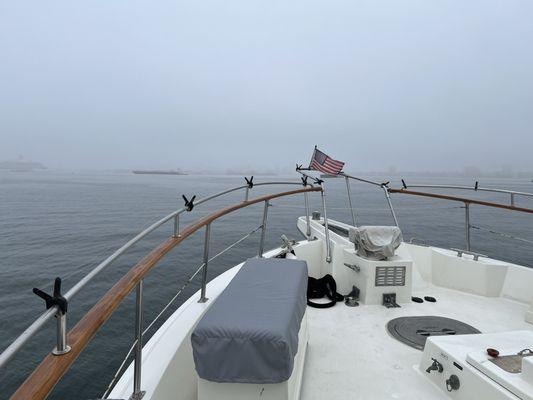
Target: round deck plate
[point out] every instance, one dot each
(414, 331)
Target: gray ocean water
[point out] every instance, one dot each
(63, 224)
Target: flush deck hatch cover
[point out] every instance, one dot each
(414, 331)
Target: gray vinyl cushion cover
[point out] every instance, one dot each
(250, 333)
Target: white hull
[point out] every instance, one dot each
(350, 353)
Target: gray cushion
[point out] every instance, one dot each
(250, 333)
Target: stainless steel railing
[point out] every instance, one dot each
(167, 306)
(383, 186)
(36, 325)
(347, 178)
(466, 202)
(137, 392)
(476, 188)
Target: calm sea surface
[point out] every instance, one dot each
(64, 224)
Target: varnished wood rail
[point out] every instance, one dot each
(462, 200)
(48, 373)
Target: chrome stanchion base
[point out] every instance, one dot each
(137, 396)
(57, 352)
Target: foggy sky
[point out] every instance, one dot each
(426, 84)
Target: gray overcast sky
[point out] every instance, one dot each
(422, 84)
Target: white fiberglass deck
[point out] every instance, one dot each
(352, 356)
(350, 353)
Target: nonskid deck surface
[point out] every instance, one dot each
(352, 356)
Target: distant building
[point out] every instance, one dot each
(21, 166)
(471, 171)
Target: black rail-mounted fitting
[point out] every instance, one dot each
(189, 204)
(249, 182)
(385, 184)
(298, 167)
(56, 300)
(318, 181)
(476, 185)
(304, 180)
(404, 185)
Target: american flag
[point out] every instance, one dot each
(325, 163)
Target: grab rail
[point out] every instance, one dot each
(462, 199)
(383, 185)
(43, 379)
(167, 306)
(29, 332)
(475, 188)
(467, 202)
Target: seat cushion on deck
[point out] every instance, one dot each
(250, 332)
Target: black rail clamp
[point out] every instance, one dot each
(476, 186)
(299, 167)
(56, 300)
(249, 182)
(304, 181)
(385, 184)
(404, 185)
(318, 181)
(189, 204)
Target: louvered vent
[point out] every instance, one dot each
(390, 276)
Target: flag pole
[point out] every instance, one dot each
(312, 158)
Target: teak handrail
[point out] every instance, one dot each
(462, 199)
(48, 373)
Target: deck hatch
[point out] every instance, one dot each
(390, 276)
(414, 331)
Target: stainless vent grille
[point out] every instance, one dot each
(390, 276)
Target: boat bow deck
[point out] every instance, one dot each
(348, 347)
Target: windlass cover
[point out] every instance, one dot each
(376, 242)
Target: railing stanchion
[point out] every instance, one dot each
(350, 198)
(61, 328)
(263, 229)
(389, 201)
(137, 393)
(326, 226)
(308, 229)
(512, 199)
(476, 188)
(203, 297)
(56, 301)
(176, 226)
(41, 382)
(467, 226)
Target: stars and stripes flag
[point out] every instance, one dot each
(324, 163)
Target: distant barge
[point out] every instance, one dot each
(158, 172)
